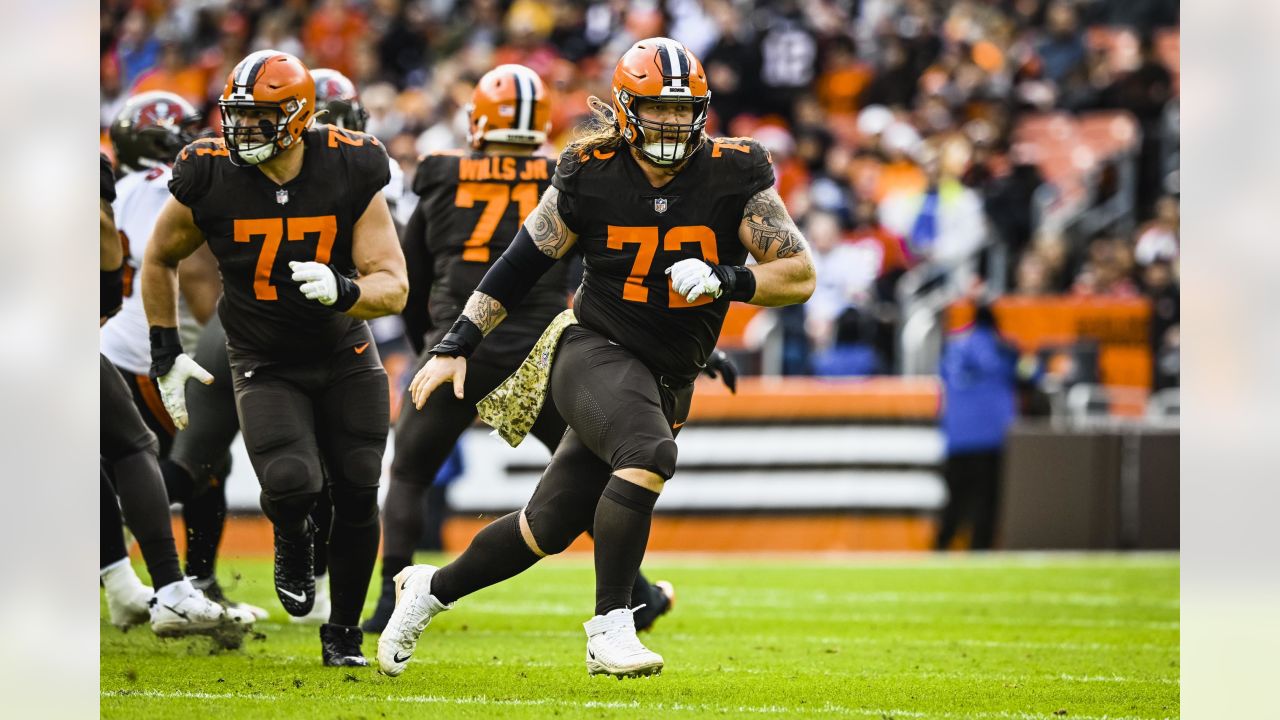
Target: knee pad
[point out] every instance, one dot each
(657, 455)
(288, 510)
(289, 474)
(553, 539)
(356, 506)
(556, 522)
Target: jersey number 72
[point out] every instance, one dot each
(676, 238)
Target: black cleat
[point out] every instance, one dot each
(662, 599)
(340, 645)
(295, 575)
(382, 611)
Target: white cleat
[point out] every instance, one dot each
(415, 606)
(180, 609)
(613, 648)
(319, 614)
(127, 597)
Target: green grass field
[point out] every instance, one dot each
(1000, 636)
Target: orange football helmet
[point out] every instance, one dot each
(509, 105)
(660, 70)
(269, 101)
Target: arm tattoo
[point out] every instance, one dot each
(484, 311)
(549, 232)
(769, 223)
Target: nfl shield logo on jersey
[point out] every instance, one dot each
(660, 205)
(282, 196)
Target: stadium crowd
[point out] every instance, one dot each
(902, 132)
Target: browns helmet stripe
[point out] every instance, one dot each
(675, 66)
(250, 68)
(524, 100)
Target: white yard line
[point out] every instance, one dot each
(575, 610)
(825, 709)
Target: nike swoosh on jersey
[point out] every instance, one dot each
(360, 348)
(299, 598)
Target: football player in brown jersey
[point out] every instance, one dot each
(665, 219)
(471, 205)
(295, 216)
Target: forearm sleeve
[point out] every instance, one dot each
(516, 272)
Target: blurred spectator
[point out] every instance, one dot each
(979, 379)
(732, 65)
(846, 276)
(136, 48)
(1157, 240)
(942, 223)
(1160, 286)
(330, 35)
(276, 32)
(176, 75)
(1034, 278)
(1143, 86)
(851, 354)
(788, 58)
(1105, 272)
(1061, 51)
(844, 77)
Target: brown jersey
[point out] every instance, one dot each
(471, 207)
(630, 232)
(255, 228)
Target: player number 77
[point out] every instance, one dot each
(271, 230)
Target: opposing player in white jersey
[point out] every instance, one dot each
(149, 131)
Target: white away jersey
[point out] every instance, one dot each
(124, 339)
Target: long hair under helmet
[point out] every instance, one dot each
(660, 70)
(266, 80)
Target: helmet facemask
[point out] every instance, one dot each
(256, 132)
(664, 143)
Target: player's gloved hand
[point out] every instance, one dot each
(720, 363)
(694, 278)
(319, 282)
(171, 369)
(173, 387)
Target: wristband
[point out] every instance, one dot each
(110, 291)
(461, 340)
(736, 282)
(348, 292)
(166, 346)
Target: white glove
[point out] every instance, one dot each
(316, 281)
(692, 278)
(173, 387)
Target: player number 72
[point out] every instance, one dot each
(634, 289)
(272, 230)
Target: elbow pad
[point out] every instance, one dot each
(516, 272)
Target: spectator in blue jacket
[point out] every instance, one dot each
(979, 379)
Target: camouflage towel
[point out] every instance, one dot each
(513, 406)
